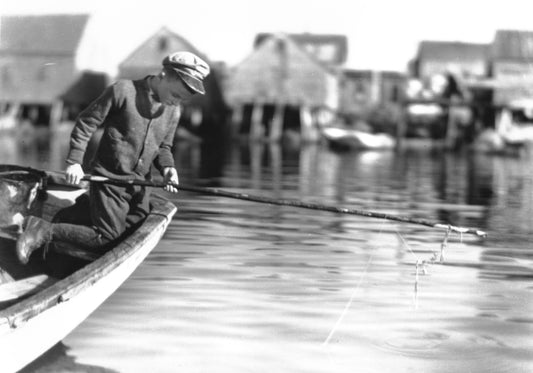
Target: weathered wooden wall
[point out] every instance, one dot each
(280, 72)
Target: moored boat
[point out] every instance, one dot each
(37, 310)
(513, 130)
(355, 139)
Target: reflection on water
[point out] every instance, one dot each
(35, 148)
(236, 286)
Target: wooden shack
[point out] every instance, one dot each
(438, 57)
(511, 62)
(281, 86)
(329, 49)
(203, 115)
(39, 74)
(436, 92)
(364, 89)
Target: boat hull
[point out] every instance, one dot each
(354, 139)
(34, 325)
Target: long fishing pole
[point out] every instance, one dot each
(286, 202)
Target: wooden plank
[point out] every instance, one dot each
(27, 286)
(5, 277)
(75, 252)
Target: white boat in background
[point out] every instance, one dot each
(356, 139)
(10, 118)
(509, 134)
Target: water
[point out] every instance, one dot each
(236, 286)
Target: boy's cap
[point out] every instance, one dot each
(191, 68)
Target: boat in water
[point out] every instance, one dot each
(513, 130)
(348, 138)
(38, 308)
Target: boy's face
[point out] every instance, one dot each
(172, 90)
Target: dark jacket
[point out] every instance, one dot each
(138, 131)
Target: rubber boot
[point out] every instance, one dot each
(37, 232)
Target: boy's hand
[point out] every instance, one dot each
(171, 178)
(74, 173)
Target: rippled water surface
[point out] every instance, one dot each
(236, 286)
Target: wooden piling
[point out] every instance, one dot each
(308, 127)
(237, 117)
(56, 114)
(451, 129)
(257, 131)
(276, 125)
(401, 127)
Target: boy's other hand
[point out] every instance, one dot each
(171, 179)
(74, 173)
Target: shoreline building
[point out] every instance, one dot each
(287, 83)
(40, 77)
(511, 65)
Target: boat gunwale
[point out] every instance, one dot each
(90, 274)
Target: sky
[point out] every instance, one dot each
(382, 34)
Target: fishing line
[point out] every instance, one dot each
(350, 301)
(424, 263)
(345, 310)
(418, 264)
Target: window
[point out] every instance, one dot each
(360, 88)
(327, 52)
(163, 44)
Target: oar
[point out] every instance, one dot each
(286, 202)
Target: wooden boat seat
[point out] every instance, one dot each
(75, 252)
(16, 290)
(5, 276)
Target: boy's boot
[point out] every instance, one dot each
(37, 232)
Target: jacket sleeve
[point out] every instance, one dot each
(165, 157)
(87, 123)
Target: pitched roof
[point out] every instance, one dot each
(151, 52)
(452, 50)
(44, 34)
(327, 48)
(279, 70)
(513, 44)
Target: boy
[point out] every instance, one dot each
(139, 119)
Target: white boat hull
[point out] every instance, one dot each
(23, 338)
(358, 139)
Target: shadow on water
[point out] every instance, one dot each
(58, 360)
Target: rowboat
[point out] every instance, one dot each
(38, 310)
(513, 130)
(355, 139)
